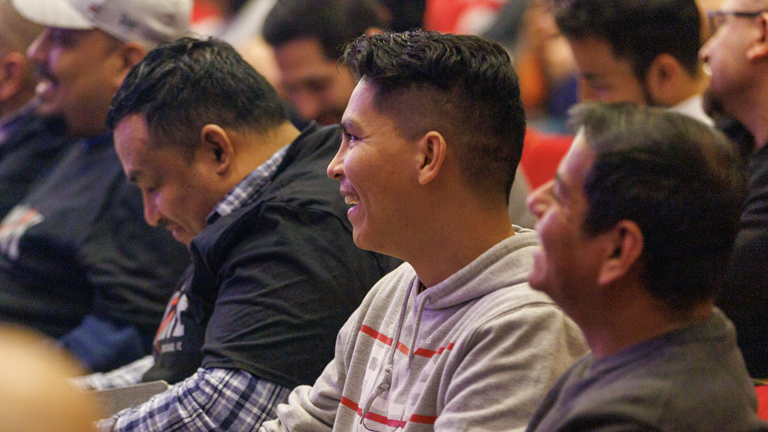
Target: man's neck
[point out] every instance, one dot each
(269, 143)
(454, 236)
(623, 327)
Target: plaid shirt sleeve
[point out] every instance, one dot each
(129, 374)
(212, 399)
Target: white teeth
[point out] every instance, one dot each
(350, 200)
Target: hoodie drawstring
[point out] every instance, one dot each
(386, 381)
(416, 326)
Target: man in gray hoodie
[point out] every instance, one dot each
(454, 339)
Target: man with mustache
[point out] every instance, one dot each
(636, 230)
(275, 271)
(76, 259)
(29, 144)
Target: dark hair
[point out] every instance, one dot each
(461, 86)
(405, 14)
(638, 30)
(333, 23)
(182, 86)
(679, 180)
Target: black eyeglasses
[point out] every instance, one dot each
(717, 18)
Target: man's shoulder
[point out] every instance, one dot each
(673, 383)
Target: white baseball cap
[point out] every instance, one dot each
(147, 21)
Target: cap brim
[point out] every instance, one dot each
(52, 13)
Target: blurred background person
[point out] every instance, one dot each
(77, 260)
(35, 396)
(737, 56)
(307, 36)
(29, 144)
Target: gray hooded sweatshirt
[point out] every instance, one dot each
(477, 351)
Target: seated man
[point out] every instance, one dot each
(76, 259)
(640, 51)
(739, 65)
(636, 231)
(307, 36)
(454, 339)
(29, 145)
(275, 270)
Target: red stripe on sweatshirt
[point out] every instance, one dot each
(400, 347)
(378, 418)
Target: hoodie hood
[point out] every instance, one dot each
(488, 273)
(484, 274)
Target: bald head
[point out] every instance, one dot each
(34, 396)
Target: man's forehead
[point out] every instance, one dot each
(738, 5)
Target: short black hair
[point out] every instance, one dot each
(461, 86)
(183, 85)
(680, 180)
(333, 23)
(637, 30)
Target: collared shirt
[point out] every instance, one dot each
(249, 189)
(221, 399)
(212, 399)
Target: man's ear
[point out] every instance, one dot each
(624, 246)
(662, 77)
(12, 75)
(128, 55)
(431, 154)
(759, 48)
(217, 148)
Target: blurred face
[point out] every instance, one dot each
(567, 264)
(373, 166)
(725, 54)
(177, 194)
(80, 71)
(604, 77)
(317, 86)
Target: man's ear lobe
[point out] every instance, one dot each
(623, 248)
(217, 147)
(759, 48)
(431, 154)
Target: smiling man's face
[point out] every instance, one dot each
(79, 71)
(375, 166)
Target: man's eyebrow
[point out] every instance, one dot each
(347, 123)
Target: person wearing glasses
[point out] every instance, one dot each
(640, 51)
(737, 55)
